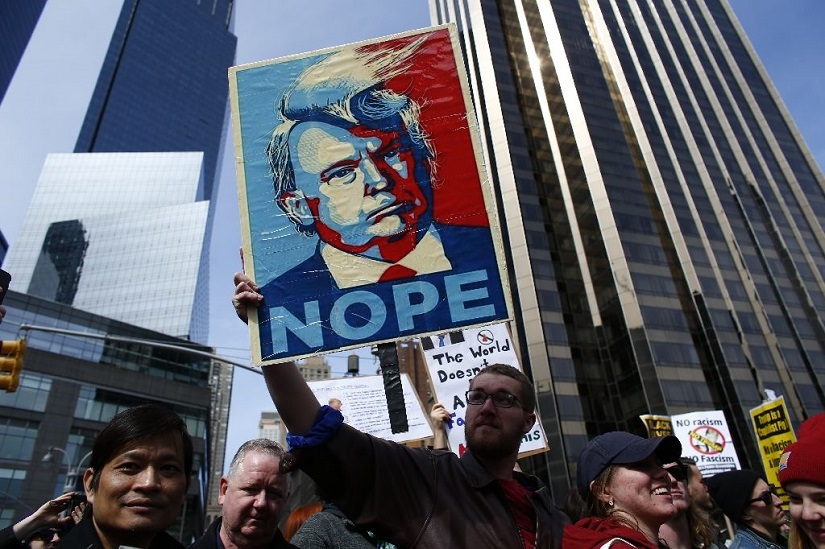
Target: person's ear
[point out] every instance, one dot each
(224, 484)
(87, 485)
(296, 206)
(529, 421)
(602, 495)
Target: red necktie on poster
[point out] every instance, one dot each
(396, 272)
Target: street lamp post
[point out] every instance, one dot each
(72, 474)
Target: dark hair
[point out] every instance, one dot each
(133, 425)
(528, 394)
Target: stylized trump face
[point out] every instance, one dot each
(357, 187)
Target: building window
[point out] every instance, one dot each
(32, 393)
(101, 405)
(17, 439)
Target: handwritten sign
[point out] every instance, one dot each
(364, 405)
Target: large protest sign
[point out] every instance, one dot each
(705, 437)
(365, 407)
(351, 229)
(453, 359)
(773, 433)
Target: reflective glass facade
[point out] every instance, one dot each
(17, 22)
(120, 235)
(663, 215)
(163, 85)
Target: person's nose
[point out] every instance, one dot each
(374, 176)
(148, 479)
(260, 500)
(811, 511)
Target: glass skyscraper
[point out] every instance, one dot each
(662, 213)
(17, 21)
(115, 244)
(163, 85)
(120, 235)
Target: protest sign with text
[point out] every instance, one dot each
(364, 405)
(705, 437)
(773, 433)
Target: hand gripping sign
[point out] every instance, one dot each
(365, 209)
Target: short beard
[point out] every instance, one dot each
(499, 449)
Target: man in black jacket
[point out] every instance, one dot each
(252, 495)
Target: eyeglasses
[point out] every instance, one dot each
(765, 497)
(501, 399)
(677, 471)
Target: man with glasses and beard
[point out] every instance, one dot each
(417, 497)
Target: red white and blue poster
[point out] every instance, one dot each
(366, 212)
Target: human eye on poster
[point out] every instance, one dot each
(366, 212)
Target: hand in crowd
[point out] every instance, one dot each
(439, 415)
(45, 516)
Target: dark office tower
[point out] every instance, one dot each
(163, 85)
(662, 213)
(60, 263)
(17, 21)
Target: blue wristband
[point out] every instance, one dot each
(327, 423)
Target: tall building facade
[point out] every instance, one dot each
(662, 213)
(110, 228)
(18, 18)
(120, 235)
(163, 84)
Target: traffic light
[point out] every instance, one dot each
(11, 363)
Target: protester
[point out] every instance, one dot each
(688, 529)
(136, 482)
(417, 496)
(752, 504)
(45, 518)
(252, 495)
(706, 511)
(626, 490)
(298, 517)
(802, 475)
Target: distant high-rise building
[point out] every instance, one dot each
(163, 85)
(662, 213)
(315, 368)
(120, 235)
(271, 426)
(18, 18)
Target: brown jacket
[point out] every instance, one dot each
(414, 497)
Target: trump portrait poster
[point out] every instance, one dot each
(366, 212)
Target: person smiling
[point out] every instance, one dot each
(626, 490)
(802, 475)
(136, 482)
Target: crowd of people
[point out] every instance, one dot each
(630, 491)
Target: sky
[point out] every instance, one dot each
(46, 103)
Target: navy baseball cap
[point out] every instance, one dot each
(621, 448)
